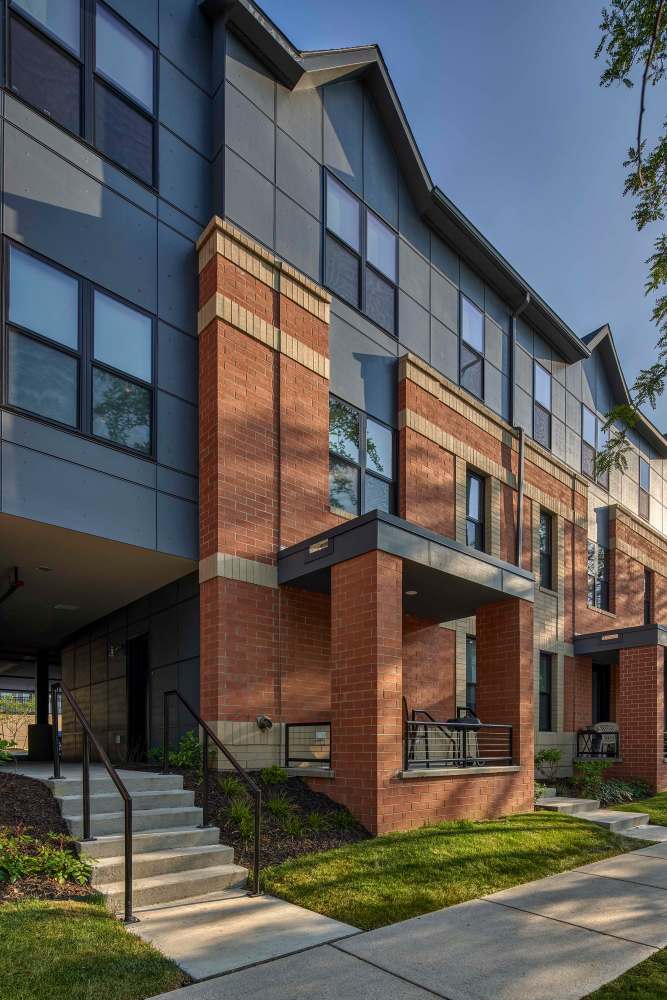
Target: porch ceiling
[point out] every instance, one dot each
(604, 646)
(451, 581)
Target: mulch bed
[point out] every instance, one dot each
(276, 845)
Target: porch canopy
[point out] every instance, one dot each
(604, 647)
(442, 579)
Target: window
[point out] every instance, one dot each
(360, 260)
(542, 405)
(100, 85)
(545, 692)
(471, 674)
(361, 461)
(644, 488)
(598, 576)
(648, 587)
(475, 511)
(546, 549)
(594, 439)
(50, 333)
(472, 348)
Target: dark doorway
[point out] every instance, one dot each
(137, 698)
(601, 693)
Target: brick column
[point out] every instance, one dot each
(366, 681)
(505, 678)
(641, 715)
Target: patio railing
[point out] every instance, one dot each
(308, 743)
(464, 742)
(594, 745)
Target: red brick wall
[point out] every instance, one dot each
(642, 715)
(429, 667)
(305, 650)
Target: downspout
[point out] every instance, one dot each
(522, 441)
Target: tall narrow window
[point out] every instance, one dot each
(542, 405)
(588, 442)
(644, 488)
(598, 576)
(475, 511)
(648, 588)
(381, 266)
(471, 673)
(361, 461)
(545, 692)
(472, 348)
(546, 549)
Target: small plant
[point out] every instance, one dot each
(292, 826)
(6, 757)
(231, 786)
(540, 790)
(279, 805)
(547, 762)
(589, 777)
(246, 828)
(188, 755)
(615, 791)
(274, 775)
(343, 820)
(317, 822)
(22, 856)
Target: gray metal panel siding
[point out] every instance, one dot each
(413, 326)
(185, 108)
(177, 526)
(249, 76)
(362, 372)
(177, 362)
(413, 273)
(143, 16)
(297, 235)
(343, 132)
(250, 133)
(249, 198)
(298, 175)
(380, 167)
(176, 433)
(185, 38)
(177, 299)
(299, 114)
(185, 177)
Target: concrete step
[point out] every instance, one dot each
(169, 888)
(134, 781)
(548, 792)
(653, 832)
(142, 819)
(151, 863)
(108, 802)
(113, 845)
(571, 807)
(615, 822)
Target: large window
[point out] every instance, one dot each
(648, 589)
(472, 348)
(644, 488)
(546, 692)
(360, 256)
(76, 355)
(594, 439)
(471, 673)
(598, 576)
(98, 83)
(542, 405)
(546, 549)
(475, 511)
(361, 461)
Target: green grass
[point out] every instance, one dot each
(646, 981)
(391, 878)
(656, 807)
(77, 951)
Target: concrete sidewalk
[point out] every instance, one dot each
(560, 937)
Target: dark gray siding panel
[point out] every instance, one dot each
(177, 526)
(185, 177)
(472, 285)
(248, 198)
(380, 169)
(182, 223)
(444, 350)
(177, 483)
(445, 259)
(61, 212)
(299, 113)
(249, 132)
(176, 279)
(444, 301)
(362, 372)
(74, 448)
(413, 272)
(77, 498)
(297, 236)
(414, 327)
(177, 433)
(249, 76)
(343, 132)
(298, 174)
(411, 226)
(143, 16)
(185, 108)
(177, 362)
(185, 38)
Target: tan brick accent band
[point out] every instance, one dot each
(222, 237)
(221, 307)
(236, 568)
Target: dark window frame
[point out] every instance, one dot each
(644, 495)
(602, 479)
(363, 264)
(478, 524)
(597, 581)
(648, 596)
(362, 467)
(85, 356)
(462, 342)
(545, 695)
(546, 554)
(471, 686)
(88, 76)
(540, 407)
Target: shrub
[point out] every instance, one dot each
(188, 755)
(539, 790)
(343, 820)
(292, 826)
(279, 805)
(22, 856)
(5, 756)
(615, 791)
(231, 786)
(274, 775)
(589, 777)
(317, 822)
(547, 762)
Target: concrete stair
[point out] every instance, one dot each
(173, 858)
(589, 809)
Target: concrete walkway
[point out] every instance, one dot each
(563, 936)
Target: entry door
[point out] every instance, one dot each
(601, 693)
(137, 698)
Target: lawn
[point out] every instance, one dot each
(51, 950)
(391, 878)
(656, 807)
(646, 981)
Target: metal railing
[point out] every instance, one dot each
(241, 771)
(88, 738)
(665, 745)
(595, 745)
(463, 742)
(308, 743)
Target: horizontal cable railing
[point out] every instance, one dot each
(597, 745)
(308, 743)
(456, 743)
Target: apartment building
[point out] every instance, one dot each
(281, 430)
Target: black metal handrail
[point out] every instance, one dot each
(290, 758)
(88, 738)
(457, 743)
(596, 745)
(241, 771)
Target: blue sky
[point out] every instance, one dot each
(504, 102)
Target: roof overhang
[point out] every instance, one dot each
(604, 647)
(450, 580)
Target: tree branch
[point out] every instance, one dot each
(647, 68)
